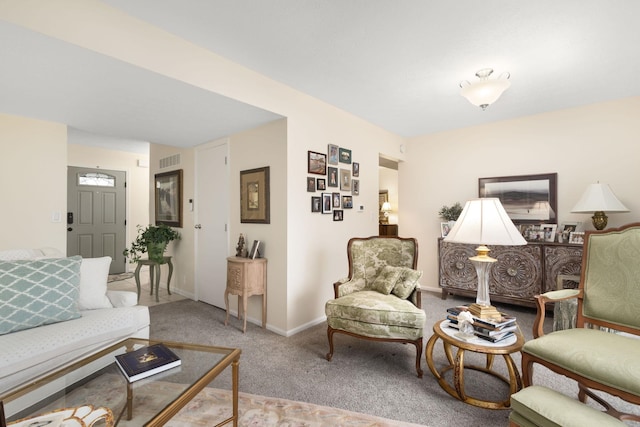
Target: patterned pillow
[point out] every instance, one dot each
(34, 293)
(407, 282)
(386, 280)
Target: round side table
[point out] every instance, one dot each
(505, 349)
(154, 273)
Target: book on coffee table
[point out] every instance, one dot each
(147, 361)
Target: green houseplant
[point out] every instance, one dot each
(451, 213)
(152, 239)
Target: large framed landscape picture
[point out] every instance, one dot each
(526, 198)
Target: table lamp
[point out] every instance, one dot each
(386, 207)
(599, 198)
(484, 222)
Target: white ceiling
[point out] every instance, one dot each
(394, 63)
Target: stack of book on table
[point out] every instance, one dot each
(493, 330)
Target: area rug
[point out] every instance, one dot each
(213, 405)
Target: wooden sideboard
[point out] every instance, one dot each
(520, 272)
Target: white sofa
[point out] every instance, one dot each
(103, 317)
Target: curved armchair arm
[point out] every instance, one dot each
(552, 296)
(346, 286)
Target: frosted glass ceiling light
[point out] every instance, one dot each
(485, 91)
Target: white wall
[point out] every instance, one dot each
(33, 177)
(316, 246)
(137, 179)
(583, 145)
(256, 148)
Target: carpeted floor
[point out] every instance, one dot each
(364, 376)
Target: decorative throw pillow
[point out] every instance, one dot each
(38, 292)
(386, 280)
(94, 273)
(407, 282)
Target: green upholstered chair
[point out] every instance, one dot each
(380, 299)
(608, 297)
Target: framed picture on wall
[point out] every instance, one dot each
(332, 173)
(168, 195)
(345, 180)
(345, 155)
(355, 187)
(333, 151)
(326, 203)
(321, 184)
(316, 163)
(254, 196)
(311, 184)
(316, 204)
(336, 200)
(526, 198)
(338, 215)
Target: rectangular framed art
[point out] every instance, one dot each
(326, 202)
(345, 180)
(254, 196)
(333, 154)
(345, 155)
(168, 195)
(316, 163)
(316, 204)
(526, 198)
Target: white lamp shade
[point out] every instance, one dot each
(485, 222)
(386, 207)
(485, 92)
(599, 197)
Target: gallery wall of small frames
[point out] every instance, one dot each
(337, 181)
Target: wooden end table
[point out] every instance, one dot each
(477, 345)
(246, 277)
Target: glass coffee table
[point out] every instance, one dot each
(151, 401)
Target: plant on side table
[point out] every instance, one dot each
(152, 239)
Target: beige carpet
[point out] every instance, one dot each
(212, 406)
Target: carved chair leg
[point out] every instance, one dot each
(527, 370)
(330, 332)
(418, 344)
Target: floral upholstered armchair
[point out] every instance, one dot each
(380, 300)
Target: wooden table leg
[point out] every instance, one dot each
(244, 312)
(235, 368)
(226, 305)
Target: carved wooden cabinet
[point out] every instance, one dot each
(246, 277)
(520, 272)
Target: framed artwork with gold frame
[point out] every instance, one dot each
(254, 196)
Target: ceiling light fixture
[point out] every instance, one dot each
(486, 91)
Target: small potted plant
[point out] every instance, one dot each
(152, 239)
(451, 213)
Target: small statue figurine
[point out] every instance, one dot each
(240, 248)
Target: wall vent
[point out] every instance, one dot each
(170, 161)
